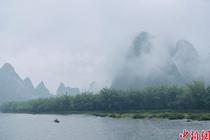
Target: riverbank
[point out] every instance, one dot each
(171, 115)
(189, 102)
(162, 114)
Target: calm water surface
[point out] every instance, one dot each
(84, 127)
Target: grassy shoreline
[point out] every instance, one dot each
(171, 115)
(168, 114)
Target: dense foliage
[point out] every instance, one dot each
(194, 96)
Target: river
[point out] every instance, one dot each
(85, 127)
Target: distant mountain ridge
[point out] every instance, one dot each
(66, 90)
(148, 64)
(12, 87)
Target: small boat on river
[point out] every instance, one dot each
(56, 121)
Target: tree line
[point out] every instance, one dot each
(194, 96)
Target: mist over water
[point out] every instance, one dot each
(67, 47)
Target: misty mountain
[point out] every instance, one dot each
(147, 64)
(41, 91)
(28, 83)
(187, 60)
(63, 90)
(12, 87)
(142, 44)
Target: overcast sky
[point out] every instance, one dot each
(77, 41)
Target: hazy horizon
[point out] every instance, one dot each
(79, 42)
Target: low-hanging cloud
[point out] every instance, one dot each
(78, 42)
